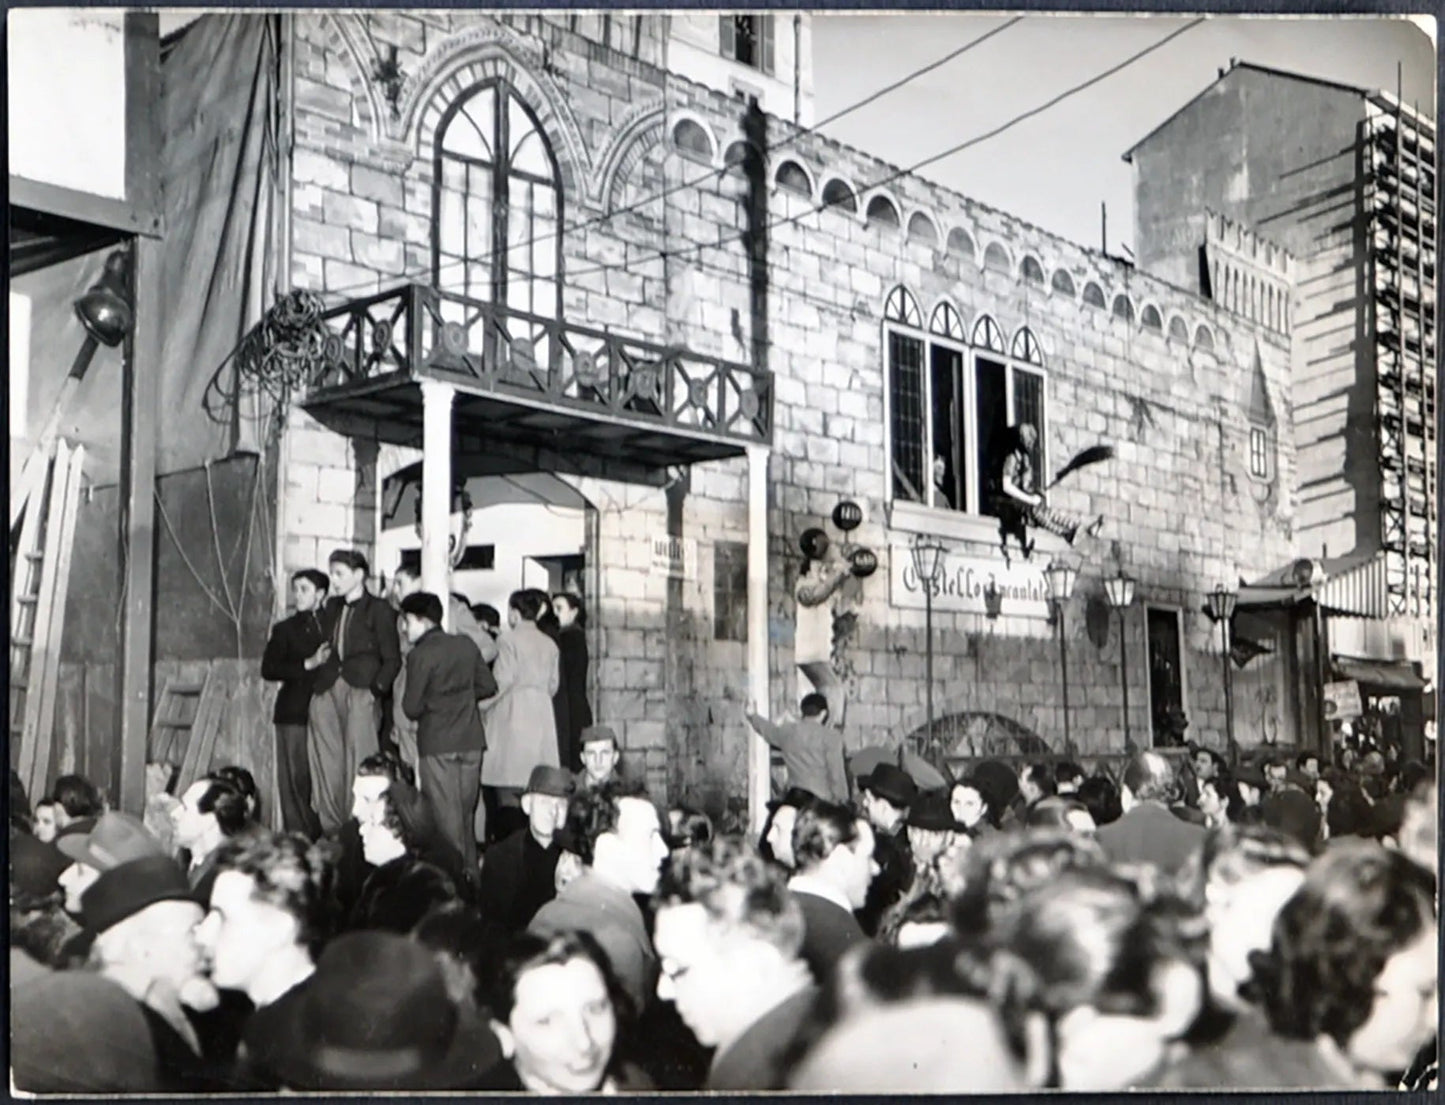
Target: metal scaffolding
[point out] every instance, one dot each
(1400, 200)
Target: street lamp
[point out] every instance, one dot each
(928, 565)
(1219, 605)
(1061, 579)
(1120, 590)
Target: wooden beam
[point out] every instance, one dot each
(141, 368)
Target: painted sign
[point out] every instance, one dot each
(677, 556)
(964, 581)
(1342, 700)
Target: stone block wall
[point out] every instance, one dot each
(654, 248)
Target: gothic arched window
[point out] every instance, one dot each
(497, 204)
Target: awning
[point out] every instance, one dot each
(1391, 675)
(1356, 591)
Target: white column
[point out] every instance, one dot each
(436, 491)
(759, 770)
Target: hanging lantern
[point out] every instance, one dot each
(864, 562)
(847, 515)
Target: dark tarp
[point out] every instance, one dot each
(219, 101)
(1388, 675)
(220, 80)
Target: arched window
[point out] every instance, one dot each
(1150, 320)
(836, 193)
(987, 335)
(690, 137)
(497, 204)
(1093, 294)
(996, 257)
(736, 155)
(946, 321)
(959, 242)
(1031, 270)
(1026, 347)
(902, 307)
(1178, 330)
(881, 211)
(921, 229)
(1063, 283)
(1203, 339)
(794, 178)
(1123, 308)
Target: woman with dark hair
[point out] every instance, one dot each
(212, 811)
(246, 783)
(570, 702)
(1347, 987)
(1220, 801)
(414, 868)
(1001, 868)
(557, 1012)
(521, 725)
(1098, 977)
(972, 806)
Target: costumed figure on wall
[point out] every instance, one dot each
(826, 567)
(1019, 502)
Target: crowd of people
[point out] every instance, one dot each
(1188, 924)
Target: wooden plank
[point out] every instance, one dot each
(100, 753)
(59, 545)
(215, 704)
(70, 720)
(141, 368)
(35, 759)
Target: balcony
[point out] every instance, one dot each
(532, 392)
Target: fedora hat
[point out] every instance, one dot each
(931, 810)
(891, 782)
(552, 781)
(114, 839)
(125, 890)
(376, 1016)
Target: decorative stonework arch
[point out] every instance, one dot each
(791, 167)
(346, 35)
(636, 133)
(839, 194)
(1150, 318)
(1063, 283)
(1178, 329)
(482, 53)
(960, 242)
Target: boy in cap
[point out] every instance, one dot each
(519, 873)
(601, 757)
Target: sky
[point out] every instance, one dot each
(1055, 169)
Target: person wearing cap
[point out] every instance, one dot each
(812, 749)
(888, 791)
(144, 914)
(834, 852)
(296, 648)
(115, 838)
(519, 873)
(935, 840)
(375, 1015)
(446, 677)
(616, 832)
(1148, 833)
(601, 757)
(729, 940)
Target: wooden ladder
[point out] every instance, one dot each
(187, 721)
(39, 585)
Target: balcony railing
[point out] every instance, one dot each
(418, 331)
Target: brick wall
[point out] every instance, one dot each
(1180, 511)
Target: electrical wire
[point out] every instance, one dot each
(692, 182)
(725, 239)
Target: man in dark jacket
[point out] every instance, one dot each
(297, 647)
(346, 699)
(834, 851)
(445, 678)
(887, 792)
(1148, 833)
(519, 875)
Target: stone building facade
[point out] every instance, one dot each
(871, 274)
